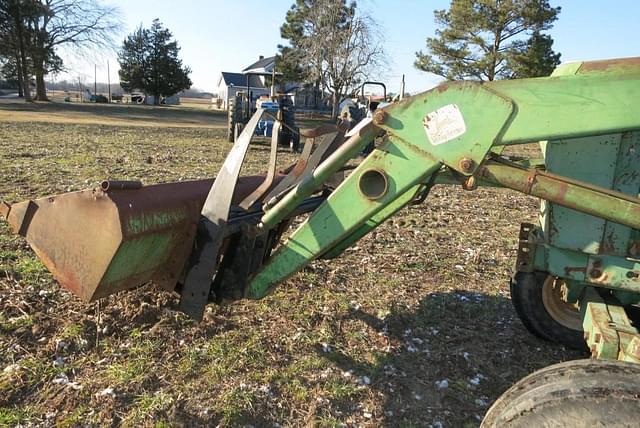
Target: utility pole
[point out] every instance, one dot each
(80, 88)
(109, 81)
(273, 82)
(95, 79)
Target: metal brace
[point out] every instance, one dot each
(203, 262)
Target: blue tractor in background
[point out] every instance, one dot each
(280, 107)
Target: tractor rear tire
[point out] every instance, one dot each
(232, 119)
(294, 145)
(574, 393)
(543, 312)
(284, 137)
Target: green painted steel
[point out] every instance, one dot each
(375, 221)
(136, 256)
(403, 166)
(564, 227)
(470, 117)
(598, 270)
(618, 239)
(585, 198)
(609, 333)
(565, 107)
(618, 157)
(610, 161)
(458, 125)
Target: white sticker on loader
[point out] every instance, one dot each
(444, 124)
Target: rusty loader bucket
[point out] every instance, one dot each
(122, 234)
(100, 241)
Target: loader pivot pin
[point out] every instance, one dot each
(380, 117)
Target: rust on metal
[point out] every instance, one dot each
(260, 191)
(316, 132)
(442, 87)
(604, 65)
(89, 239)
(380, 117)
(19, 216)
(608, 243)
(584, 197)
(470, 183)
(4, 208)
(526, 248)
(325, 144)
(633, 348)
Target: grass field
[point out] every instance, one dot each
(411, 327)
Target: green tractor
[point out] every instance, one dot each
(577, 273)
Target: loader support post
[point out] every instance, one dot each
(215, 213)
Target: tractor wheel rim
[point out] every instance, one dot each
(557, 307)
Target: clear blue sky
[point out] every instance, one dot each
(223, 35)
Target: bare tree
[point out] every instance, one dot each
(84, 24)
(339, 45)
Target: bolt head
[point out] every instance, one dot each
(466, 165)
(380, 117)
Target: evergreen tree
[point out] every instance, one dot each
(491, 39)
(149, 62)
(290, 59)
(537, 59)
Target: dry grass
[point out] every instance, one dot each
(112, 114)
(364, 340)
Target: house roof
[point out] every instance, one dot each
(262, 65)
(239, 79)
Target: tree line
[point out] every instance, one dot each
(334, 46)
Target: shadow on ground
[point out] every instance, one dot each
(435, 373)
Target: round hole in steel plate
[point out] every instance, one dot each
(373, 184)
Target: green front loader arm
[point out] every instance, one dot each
(455, 125)
(387, 173)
